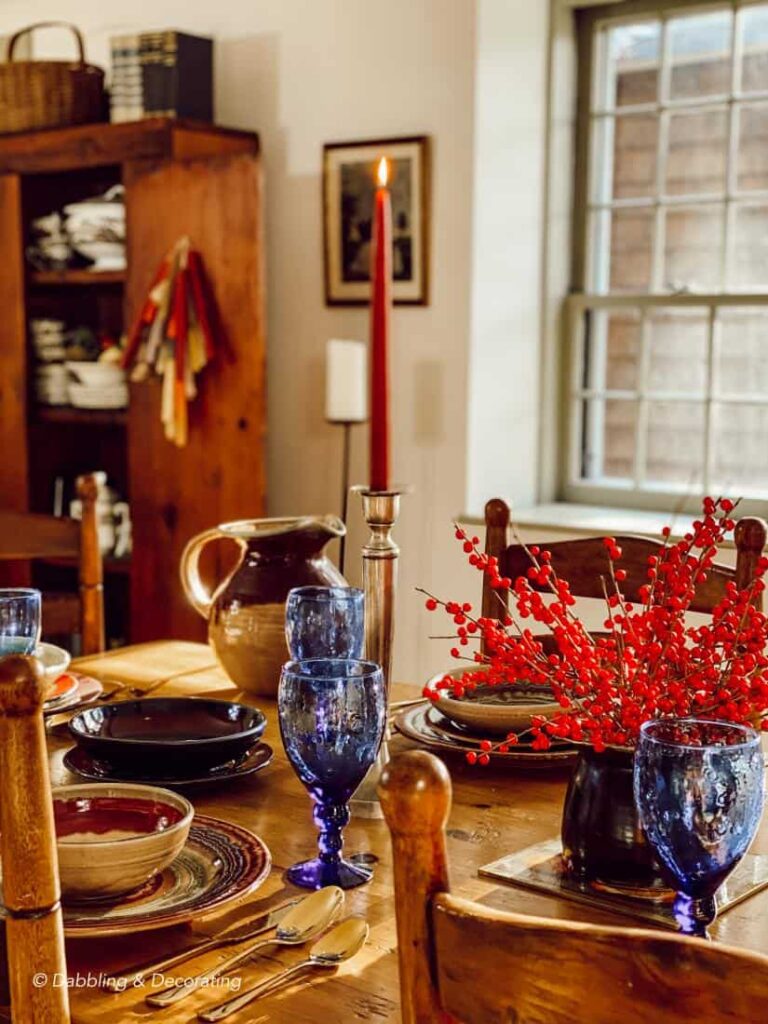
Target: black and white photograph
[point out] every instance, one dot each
(349, 184)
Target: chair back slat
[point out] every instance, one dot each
(584, 561)
(461, 961)
(25, 535)
(31, 896)
(494, 966)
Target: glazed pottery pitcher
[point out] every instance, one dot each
(246, 612)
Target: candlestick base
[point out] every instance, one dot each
(380, 556)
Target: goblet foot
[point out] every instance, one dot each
(317, 873)
(694, 916)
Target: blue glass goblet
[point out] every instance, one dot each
(332, 716)
(325, 622)
(19, 620)
(699, 793)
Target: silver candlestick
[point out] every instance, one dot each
(380, 555)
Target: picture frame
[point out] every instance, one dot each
(349, 185)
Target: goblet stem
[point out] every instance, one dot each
(331, 819)
(694, 916)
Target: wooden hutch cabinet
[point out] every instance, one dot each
(180, 179)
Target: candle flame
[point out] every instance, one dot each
(383, 172)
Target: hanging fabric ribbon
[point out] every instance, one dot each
(173, 335)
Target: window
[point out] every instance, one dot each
(668, 389)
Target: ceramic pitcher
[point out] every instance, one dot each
(246, 612)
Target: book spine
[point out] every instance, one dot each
(151, 73)
(125, 92)
(170, 69)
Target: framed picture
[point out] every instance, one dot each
(349, 185)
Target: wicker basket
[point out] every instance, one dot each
(49, 93)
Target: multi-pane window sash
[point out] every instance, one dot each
(668, 329)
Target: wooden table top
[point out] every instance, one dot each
(495, 812)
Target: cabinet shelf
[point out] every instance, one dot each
(76, 277)
(89, 417)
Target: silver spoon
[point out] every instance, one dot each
(249, 930)
(336, 946)
(303, 922)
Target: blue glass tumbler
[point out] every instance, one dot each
(19, 620)
(325, 622)
(699, 793)
(332, 715)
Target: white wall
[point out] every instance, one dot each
(509, 153)
(305, 72)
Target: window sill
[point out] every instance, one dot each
(595, 520)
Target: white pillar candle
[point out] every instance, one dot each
(346, 381)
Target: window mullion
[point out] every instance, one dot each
(659, 224)
(709, 410)
(731, 158)
(641, 423)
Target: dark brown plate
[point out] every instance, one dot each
(177, 736)
(80, 762)
(415, 724)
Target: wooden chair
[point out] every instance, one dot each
(460, 961)
(31, 895)
(25, 535)
(582, 561)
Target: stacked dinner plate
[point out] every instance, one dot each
(97, 385)
(454, 725)
(51, 384)
(168, 741)
(48, 344)
(50, 248)
(96, 229)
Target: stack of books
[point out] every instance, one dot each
(126, 95)
(162, 74)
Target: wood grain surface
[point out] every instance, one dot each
(94, 145)
(494, 812)
(220, 474)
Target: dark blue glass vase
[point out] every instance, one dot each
(699, 792)
(325, 622)
(332, 715)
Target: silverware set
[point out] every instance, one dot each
(293, 923)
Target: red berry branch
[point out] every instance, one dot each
(649, 662)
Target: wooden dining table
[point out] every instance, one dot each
(496, 811)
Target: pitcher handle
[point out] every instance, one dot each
(189, 570)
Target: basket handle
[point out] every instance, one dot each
(46, 24)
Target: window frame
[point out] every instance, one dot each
(580, 302)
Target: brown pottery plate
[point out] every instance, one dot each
(423, 724)
(220, 862)
(495, 710)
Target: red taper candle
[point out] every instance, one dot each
(381, 305)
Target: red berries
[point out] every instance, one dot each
(651, 662)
